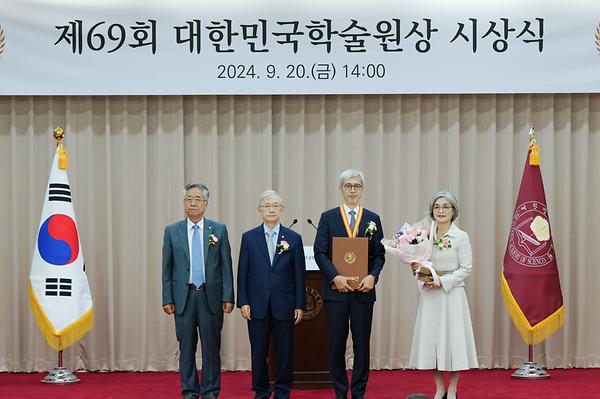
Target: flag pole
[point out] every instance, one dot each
(60, 375)
(530, 370)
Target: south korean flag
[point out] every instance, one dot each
(60, 296)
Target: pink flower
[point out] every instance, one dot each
(411, 235)
(444, 244)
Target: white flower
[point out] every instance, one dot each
(371, 229)
(282, 247)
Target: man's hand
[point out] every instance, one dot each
(341, 284)
(169, 308)
(227, 307)
(367, 284)
(246, 312)
(298, 313)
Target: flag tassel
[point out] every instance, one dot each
(534, 155)
(539, 332)
(59, 340)
(63, 160)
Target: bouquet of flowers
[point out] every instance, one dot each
(414, 244)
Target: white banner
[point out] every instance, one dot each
(109, 47)
(309, 258)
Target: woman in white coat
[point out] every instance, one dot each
(443, 336)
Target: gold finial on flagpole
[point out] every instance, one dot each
(534, 155)
(59, 134)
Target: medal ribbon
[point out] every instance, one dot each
(350, 233)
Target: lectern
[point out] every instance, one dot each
(311, 340)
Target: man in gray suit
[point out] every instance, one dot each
(197, 282)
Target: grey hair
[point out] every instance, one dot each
(448, 196)
(269, 193)
(349, 174)
(200, 186)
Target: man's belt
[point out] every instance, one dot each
(201, 287)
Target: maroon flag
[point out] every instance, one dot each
(530, 283)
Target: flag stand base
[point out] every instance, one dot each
(530, 371)
(60, 375)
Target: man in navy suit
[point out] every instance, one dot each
(197, 280)
(343, 303)
(271, 294)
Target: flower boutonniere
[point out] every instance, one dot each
(212, 239)
(444, 244)
(282, 247)
(371, 229)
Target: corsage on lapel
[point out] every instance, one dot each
(212, 240)
(371, 229)
(282, 246)
(444, 244)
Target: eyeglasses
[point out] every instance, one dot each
(446, 208)
(195, 199)
(271, 206)
(350, 187)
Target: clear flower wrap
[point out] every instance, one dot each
(413, 244)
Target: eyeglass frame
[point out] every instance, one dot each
(349, 186)
(192, 199)
(271, 206)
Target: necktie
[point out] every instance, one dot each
(270, 245)
(352, 220)
(197, 258)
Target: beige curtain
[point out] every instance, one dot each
(130, 156)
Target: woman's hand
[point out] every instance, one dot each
(415, 267)
(433, 285)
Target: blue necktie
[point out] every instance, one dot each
(197, 272)
(352, 220)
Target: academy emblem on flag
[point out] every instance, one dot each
(60, 297)
(530, 282)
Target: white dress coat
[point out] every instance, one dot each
(443, 335)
